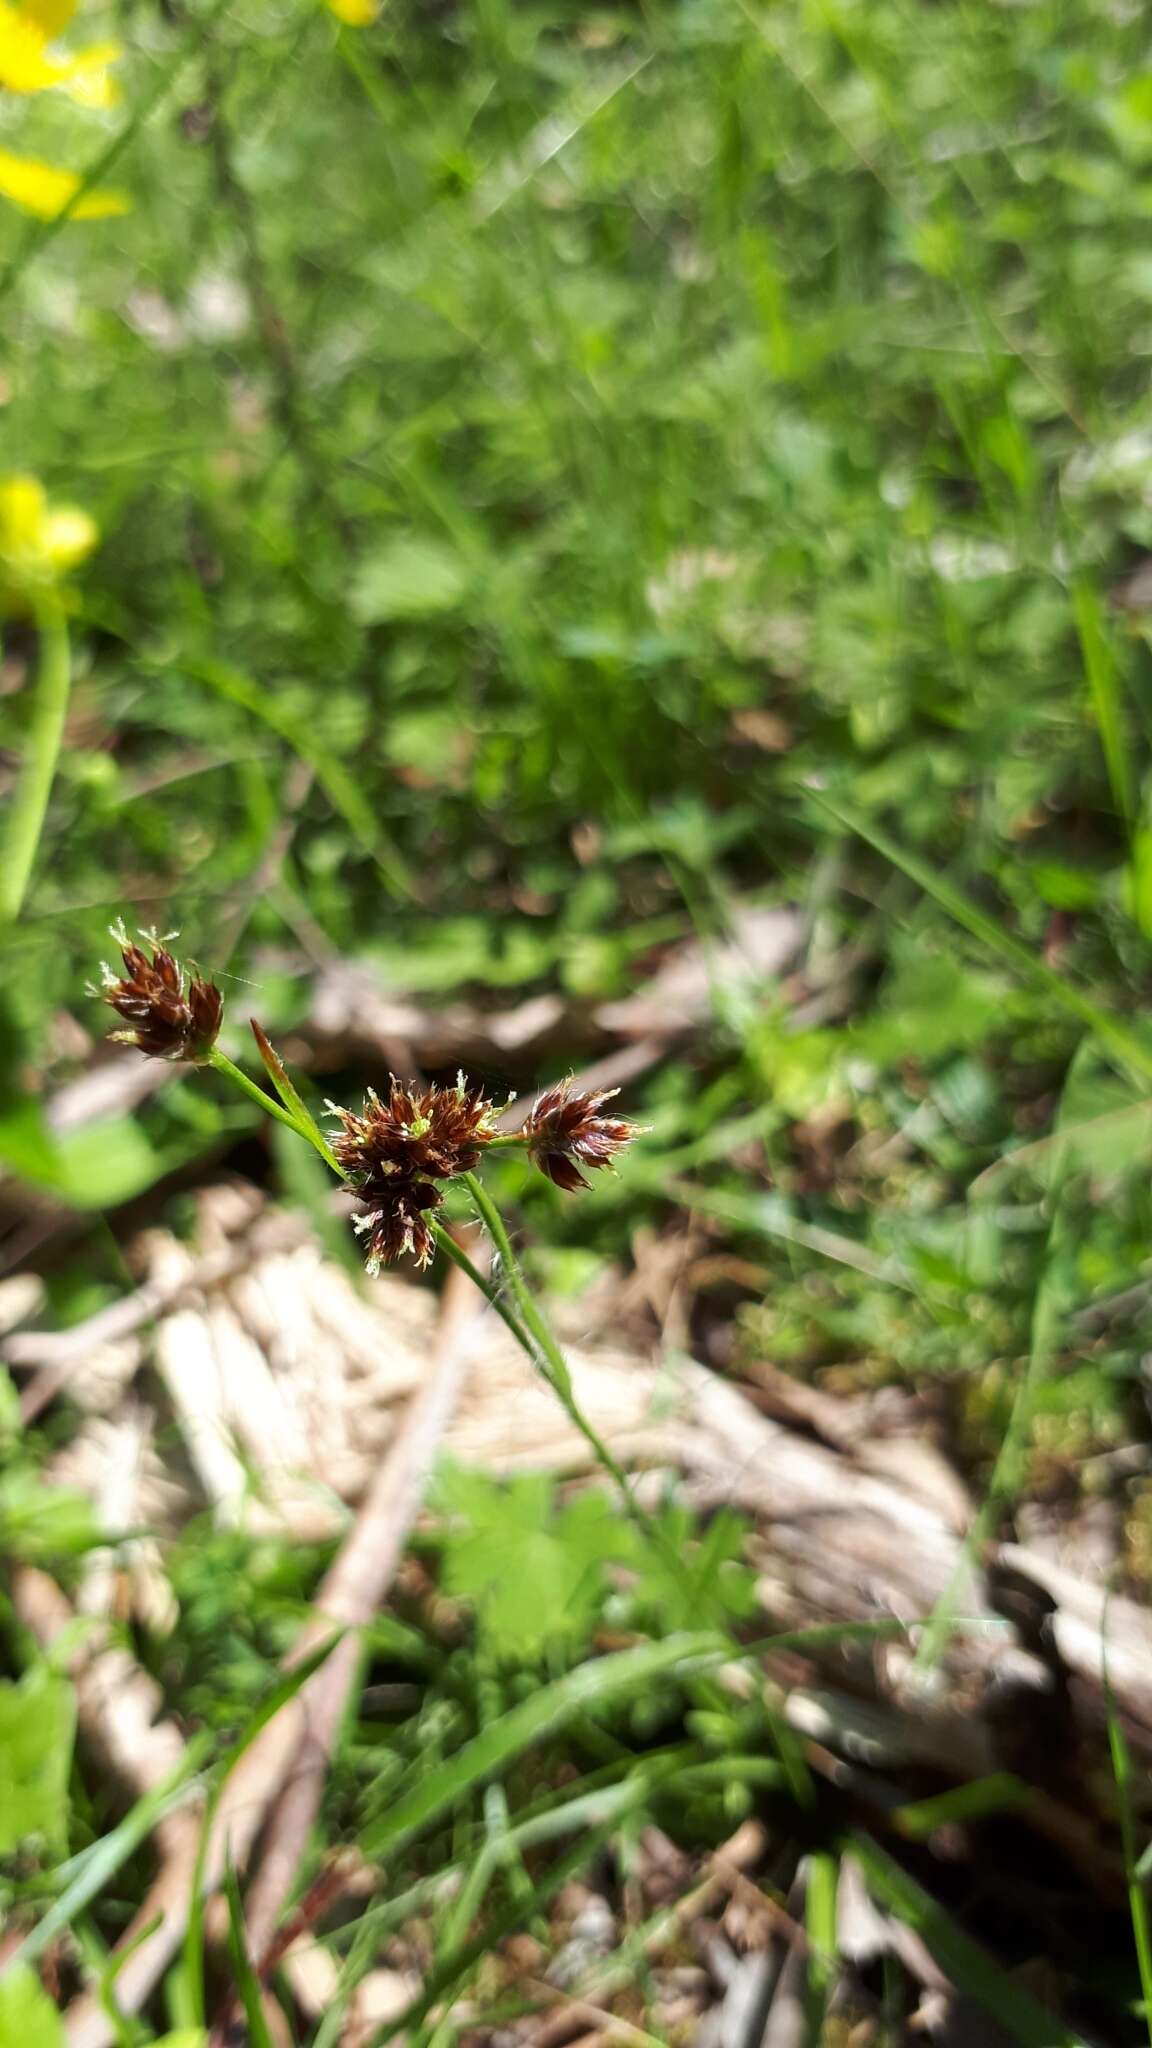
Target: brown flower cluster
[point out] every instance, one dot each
(169, 1018)
(566, 1131)
(400, 1149)
(395, 1151)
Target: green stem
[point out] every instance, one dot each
(266, 1102)
(492, 1295)
(543, 1349)
(30, 803)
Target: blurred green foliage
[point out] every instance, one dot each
(538, 449)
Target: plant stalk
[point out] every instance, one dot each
(544, 1350)
(252, 1089)
(38, 771)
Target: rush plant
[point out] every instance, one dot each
(397, 1153)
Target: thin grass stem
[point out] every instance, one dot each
(546, 1353)
(255, 1093)
(30, 804)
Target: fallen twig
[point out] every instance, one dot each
(350, 1595)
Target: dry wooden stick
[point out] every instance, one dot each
(299, 1736)
(351, 1593)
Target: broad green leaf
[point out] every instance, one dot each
(409, 579)
(28, 2018)
(102, 1165)
(930, 1006)
(94, 1167)
(39, 1522)
(533, 1572)
(37, 1730)
(712, 1586)
(27, 1146)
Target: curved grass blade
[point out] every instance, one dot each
(1108, 1029)
(590, 1685)
(247, 1982)
(111, 1852)
(341, 789)
(969, 1966)
(290, 1096)
(192, 1959)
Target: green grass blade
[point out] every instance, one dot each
(108, 1855)
(40, 232)
(1104, 685)
(820, 1925)
(124, 2028)
(29, 805)
(192, 1955)
(247, 1982)
(968, 914)
(589, 1686)
(449, 1975)
(1000, 1792)
(342, 790)
(1137, 1901)
(239, 1079)
(969, 1966)
(290, 1096)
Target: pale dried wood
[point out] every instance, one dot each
(299, 1735)
(61, 1352)
(353, 1588)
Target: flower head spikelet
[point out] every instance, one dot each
(566, 1131)
(169, 1015)
(396, 1149)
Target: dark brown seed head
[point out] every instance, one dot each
(168, 1018)
(394, 1223)
(396, 1148)
(433, 1132)
(566, 1131)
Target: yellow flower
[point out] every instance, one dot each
(355, 13)
(39, 542)
(51, 16)
(27, 27)
(44, 190)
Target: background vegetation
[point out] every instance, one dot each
(564, 473)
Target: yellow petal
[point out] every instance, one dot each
(22, 509)
(27, 65)
(44, 190)
(357, 13)
(51, 17)
(67, 535)
(24, 64)
(39, 542)
(85, 77)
